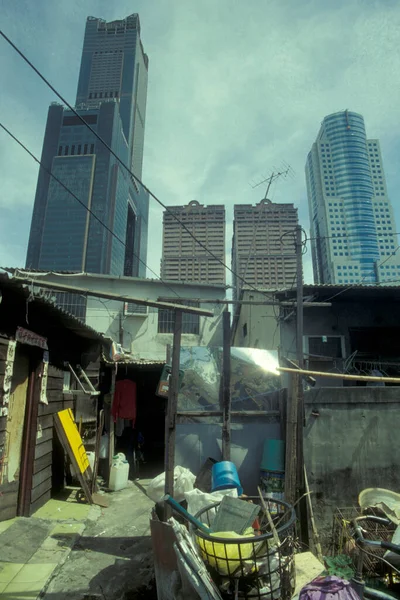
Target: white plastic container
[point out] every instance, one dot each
(90, 456)
(119, 474)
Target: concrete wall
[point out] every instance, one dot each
(353, 444)
(257, 325)
(138, 333)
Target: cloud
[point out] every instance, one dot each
(234, 91)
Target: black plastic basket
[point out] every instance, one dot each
(253, 567)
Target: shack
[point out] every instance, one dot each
(42, 349)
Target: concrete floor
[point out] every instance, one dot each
(112, 559)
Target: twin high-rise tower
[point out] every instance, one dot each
(111, 98)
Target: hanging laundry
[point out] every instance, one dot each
(124, 403)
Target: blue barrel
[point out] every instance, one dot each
(273, 456)
(225, 476)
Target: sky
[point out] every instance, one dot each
(236, 90)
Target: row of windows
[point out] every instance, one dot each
(106, 95)
(75, 150)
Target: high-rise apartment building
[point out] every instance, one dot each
(183, 259)
(259, 253)
(351, 217)
(111, 98)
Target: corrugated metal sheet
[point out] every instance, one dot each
(66, 319)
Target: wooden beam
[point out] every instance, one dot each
(170, 420)
(118, 297)
(291, 439)
(226, 387)
(340, 375)
(234, 413)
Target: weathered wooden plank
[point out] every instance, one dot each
(54, 396)
(39, 502)
(46, 421)
(43, 449)
(55, 373)
(9, 499)
(3, 423)
(42, 462)
(54, 407)
(44, 436)
(41, 489)
(41, 476)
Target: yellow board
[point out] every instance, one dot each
(74, 439)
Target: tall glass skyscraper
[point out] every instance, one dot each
(111, 98)
(350, 213)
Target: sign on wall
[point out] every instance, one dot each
(24, 336)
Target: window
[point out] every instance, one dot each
(166, 318)
(79, 148)
(59, 150)
(72, 149)
(66, 150)
(245, 330)
(85, 149)
(91, 148)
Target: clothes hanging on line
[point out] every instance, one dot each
(124, 403)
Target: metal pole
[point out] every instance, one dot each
(226, 387)
(170, 421)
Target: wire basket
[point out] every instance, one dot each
(343, 538)
(251, 567)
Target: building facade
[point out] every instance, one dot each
(96, 219)
(183, 259)
(351, 216)
(259, 253)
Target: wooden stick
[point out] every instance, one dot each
(317, 543)
(339, 375)
(270, 521)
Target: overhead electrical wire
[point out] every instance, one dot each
(121, 162)
(81, 203)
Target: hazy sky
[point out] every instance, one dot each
(235, 89)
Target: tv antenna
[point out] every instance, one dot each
(276, 174)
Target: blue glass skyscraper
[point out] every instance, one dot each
(111, 98)
(350, 214)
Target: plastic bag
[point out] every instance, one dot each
(197, 500)
(183, 482)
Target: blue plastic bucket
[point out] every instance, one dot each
(273, 456)
(225, 476)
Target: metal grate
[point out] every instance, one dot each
(131, 308)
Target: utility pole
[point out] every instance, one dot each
(226, 387)
(299, 308)
(298, 389)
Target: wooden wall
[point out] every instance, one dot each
(48, 468)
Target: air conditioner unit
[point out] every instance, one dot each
(135, 310)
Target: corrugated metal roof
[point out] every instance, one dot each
(67, 320)
(134, 362)
(113, 277)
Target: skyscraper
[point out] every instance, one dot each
(183, 259)
(111, 98)
(259, 254)
(350, 213)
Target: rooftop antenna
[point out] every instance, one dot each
(276, 174)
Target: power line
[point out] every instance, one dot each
(80, 202)
(348, 235)
(121, 162)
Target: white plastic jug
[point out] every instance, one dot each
(119, 475)
(90, 456)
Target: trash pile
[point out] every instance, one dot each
(245, 543)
